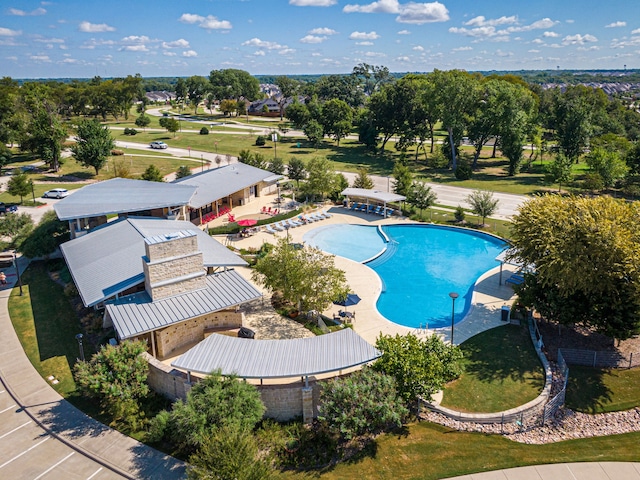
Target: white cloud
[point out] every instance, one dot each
(578, 39)
(135, 39)
(322, 31)
(404, 32)
(592, 48)
(208, 23)
(418, 48)
(12, 58)
(312, 3)
(256, 42)
(364, 36)
(287, 51)
(70, 61)
(635, 32)
(537, 41)
(7, 32)
(374, 55)
(180, 43)
(411, 12)
(259, 53)
(550, 34)
(169, 54)
(190, 53)
(312, 39)
(533, 51)
(22, 13)
(481, 21)
(40, 58)
(616, 25)
(403, 59)
(365, 43)
(134, 48)
(462, 49)
(88, 27)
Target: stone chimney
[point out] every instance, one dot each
(173, 265)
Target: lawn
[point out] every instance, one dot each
(429, 452)
(593, 390)
(502, 371)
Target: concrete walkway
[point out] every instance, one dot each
(78, 446)
(563, 471)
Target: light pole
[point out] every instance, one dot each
(278, 199)
(15, 264)
(453, 296)
(79, 339)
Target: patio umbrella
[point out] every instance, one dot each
(350, 299)
(247, 222)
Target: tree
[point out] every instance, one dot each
(608, 164)
(298, 114)
(276, 166)
(313, 132)
(228, 106)
(365, 402)
(482, 203)
(197, 88)
(403, 179)
(420, 367)
(336, 119)
(296, 170)
(16, 226)
(171, 124)
(234, 84)
(183, 171)
(143, 121)
(214, 403)
(19, 185)
(93, 144)
(320, 176)
(305, 277)
(43, 240)
(585, 253)
(228, 454)
(363, 180)
(574, 113)
(5, 157)
(421, 196)
(44, 135)
(559, 170)
(152, 174)
(116, 377)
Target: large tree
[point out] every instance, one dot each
(363, 180)
(45, 134)
(43, 240)
(197, 89)
(336, 119)
(93, 144)
(233, 84)
(586, 255)
(305, 277)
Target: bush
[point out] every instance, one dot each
(365, 402)
(593, 182)
(260, 141)
(464, 171)
(459, 214)
(130, 131)
(116, 153)
(204, 131)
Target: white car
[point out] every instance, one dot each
(56, 193)
(158, 145)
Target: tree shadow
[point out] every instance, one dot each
(586, 389)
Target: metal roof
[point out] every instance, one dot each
(136, 314)
(378, 195)
(108, 260)
(296, 357)
(221, 182)
(122, 195)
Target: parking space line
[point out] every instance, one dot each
(17, 428)
(26, 451)
(8, 408)
(95, 473)
(52, 467)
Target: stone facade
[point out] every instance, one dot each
(286, 402)
(166, 380)
(189, 332)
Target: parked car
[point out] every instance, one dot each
(158, 145)
(56, 193)
(4, 208)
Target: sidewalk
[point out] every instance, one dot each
(563, 471)
(119, 453)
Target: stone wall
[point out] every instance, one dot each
(166, 380)
(192, 331)
(285, 402)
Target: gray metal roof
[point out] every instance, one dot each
(278, 358)
(379, 195)
(122, 195)
(136, 314)
(221, 182)
(108, 260)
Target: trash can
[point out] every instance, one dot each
(505, 313)
(246, 333)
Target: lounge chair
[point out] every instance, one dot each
(355, 206)
(363, 208)
(327, 214)
(268, 229)
(264, 210)
(515, 279)
(316, 217)
(378, 210)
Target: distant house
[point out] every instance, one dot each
(258, 107)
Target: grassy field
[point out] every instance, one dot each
(502, 371)
(428, 452)
(593, 390)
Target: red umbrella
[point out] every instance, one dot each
(247, 222)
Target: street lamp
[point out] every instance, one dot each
(79, 339)
(278, 199)
(453, 296)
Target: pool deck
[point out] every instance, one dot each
(488, 297)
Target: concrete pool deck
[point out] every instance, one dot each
(488, 297)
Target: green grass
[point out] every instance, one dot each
(502, 371)
(38, 190)
(593, 390)
(429, 452)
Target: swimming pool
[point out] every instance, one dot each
(419, 267)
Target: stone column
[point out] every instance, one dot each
(307, 404)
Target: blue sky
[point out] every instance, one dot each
(84, 38)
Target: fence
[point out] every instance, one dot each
(599, 359)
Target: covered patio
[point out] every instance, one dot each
(380, 197)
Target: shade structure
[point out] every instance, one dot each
(247, 222)
(349, 300)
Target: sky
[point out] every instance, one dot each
(115, 38)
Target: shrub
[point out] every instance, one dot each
(459, 214)
(464, 170)
(130, 131)
(115, 152)
(365, 402)
(204, 131)
(593, 182)
(260, 141)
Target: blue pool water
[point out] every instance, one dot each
(421, 266)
